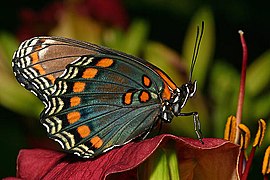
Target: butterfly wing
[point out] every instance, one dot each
(40, 60)
(101, 102)
(95, 98)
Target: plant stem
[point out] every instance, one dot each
(249, 163)
(241, 161)
(242, 85)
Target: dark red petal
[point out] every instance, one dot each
(12, 178)
(35, 163)
(217, 160)
(47, 164)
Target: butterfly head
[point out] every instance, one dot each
(181, 95)
(191, 87)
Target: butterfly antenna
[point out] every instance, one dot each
(196, 49)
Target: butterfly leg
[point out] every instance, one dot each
(197, 123)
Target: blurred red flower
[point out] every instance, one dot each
(40, 22)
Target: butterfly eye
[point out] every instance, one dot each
(192, 88)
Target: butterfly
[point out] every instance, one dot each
(97, 98)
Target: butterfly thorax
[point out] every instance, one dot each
(180, 95)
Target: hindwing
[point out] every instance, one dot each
(100, 102)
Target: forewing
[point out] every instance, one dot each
(40, 60)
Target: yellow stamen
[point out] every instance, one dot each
(245, 136)
(260, 133)
(230, 129)
(266, 162)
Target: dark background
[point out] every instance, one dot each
(167, 18)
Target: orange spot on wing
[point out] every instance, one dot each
(128, 98)
(89, 73)
(166, 94)
(144, 96)
(96, 141)
(78, 86)
(146, 81)
(35, 58)
(84, 131)
(73, 117)
(105, 62)
(51, 78)
(39, 68)
(74, 101)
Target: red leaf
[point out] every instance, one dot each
(214, 158)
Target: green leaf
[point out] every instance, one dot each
(156, 166)
(8, 44)
(135, 38)
(258, 74)
(261, 106)
(173, 164)
(132, 42)
(207, 44)
(161, 170)
(17, 99)
(113, 38)
(223, 87)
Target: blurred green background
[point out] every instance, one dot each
(160, 31)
